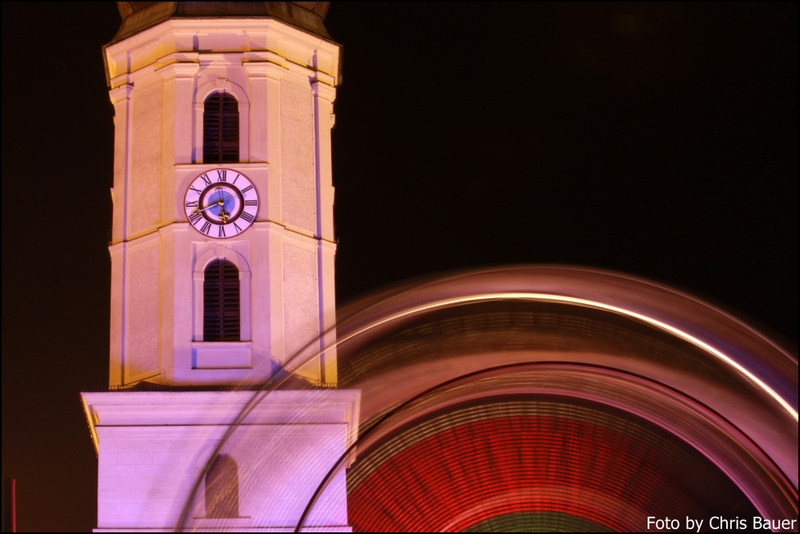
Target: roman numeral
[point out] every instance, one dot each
(247, 217)
(206, 228)
(221, 175)
(198, 191)
(194, 217)
(192, 204)
(221, 232)
(246, 189)
(238, 230)
(206, 179)
(237, 177)
(251, 202)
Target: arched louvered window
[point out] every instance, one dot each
(222, 488)
(220, 129)
(221, 302)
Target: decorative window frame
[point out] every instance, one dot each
(222, 253)
(221, 284)
(222, 85)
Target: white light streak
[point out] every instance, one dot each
(579, 302)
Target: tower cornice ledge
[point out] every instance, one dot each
(240, 39)
(125, 408)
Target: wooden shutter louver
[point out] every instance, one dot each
(221, 302)
(220, 129)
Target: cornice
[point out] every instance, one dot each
(194, 39)
(180, 408)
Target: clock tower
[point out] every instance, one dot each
(222, 257)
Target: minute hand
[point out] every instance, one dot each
(217, 203)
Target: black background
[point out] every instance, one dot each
(658, 140)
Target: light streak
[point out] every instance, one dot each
(517, 295)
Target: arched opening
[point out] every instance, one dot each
(222, 488)
(221, 317)
(220, 129)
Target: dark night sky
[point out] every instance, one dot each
(655, 140)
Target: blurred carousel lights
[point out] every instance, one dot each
(429, 349)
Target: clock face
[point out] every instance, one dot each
(221, 203)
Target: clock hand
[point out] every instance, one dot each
(221, 198)
(217, 203)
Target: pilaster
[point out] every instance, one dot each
(324, 95)
(179, 81)
(121, 100)
(257, 78)
(273, 144)
(326, 257)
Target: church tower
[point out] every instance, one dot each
(206, 101)
(222, 257)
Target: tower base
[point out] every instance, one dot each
(171, 454)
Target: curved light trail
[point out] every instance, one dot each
(575, 301)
